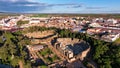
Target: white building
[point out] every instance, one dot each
(112, 21)
(34, 21)
(1, 23)
(95, 25)
(11, 23)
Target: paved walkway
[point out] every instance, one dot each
(21, 64)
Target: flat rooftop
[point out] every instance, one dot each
(76, 45)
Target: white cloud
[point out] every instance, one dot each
(29, 5)
(19, 0)
(31, 0)
(14, 0)
(10, 0)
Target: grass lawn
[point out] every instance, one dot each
(40, 15)
(1, 41)
(117, 41)
(19, 23)
(46, 51)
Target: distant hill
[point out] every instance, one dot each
(8, 14)
(1, 12)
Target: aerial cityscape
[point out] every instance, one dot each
(59, 34)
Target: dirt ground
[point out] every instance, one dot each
(40, 34)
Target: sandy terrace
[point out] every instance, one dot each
(40, 34)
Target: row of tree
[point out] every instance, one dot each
(13, 49)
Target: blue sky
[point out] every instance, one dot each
(60, 6)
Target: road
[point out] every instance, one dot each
(41, 57)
